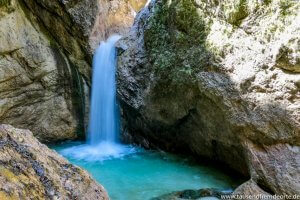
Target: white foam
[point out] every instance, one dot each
(102, 151)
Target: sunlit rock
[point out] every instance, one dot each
(29, 170)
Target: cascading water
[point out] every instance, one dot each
(104, 117)
(103, 130)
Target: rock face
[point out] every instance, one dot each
(217, 79)
(30, 170)
(250, 188)
(41, 84)
(46, 52)
(114, 17)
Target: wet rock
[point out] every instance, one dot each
(30, 170)
(193, 194)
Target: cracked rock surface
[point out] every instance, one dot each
(30, 170)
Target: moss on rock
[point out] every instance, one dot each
(175, 35)
(235, 11)
(4, 2)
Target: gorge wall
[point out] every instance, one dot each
(46, 50)
(40, 87)
(218, 79)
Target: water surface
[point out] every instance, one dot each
(131, 173)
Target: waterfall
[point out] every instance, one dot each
(104, 116)
(103, 131)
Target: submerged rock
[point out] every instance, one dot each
(30, 170)
(205, 193)
(208, 78)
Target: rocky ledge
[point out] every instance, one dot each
(30, 170)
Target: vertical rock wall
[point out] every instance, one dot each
(39, 87)
(217, 79)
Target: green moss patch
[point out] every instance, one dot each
(5, 2)
(175, 40)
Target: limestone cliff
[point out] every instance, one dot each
(29, 170)
(38, 85)
(46, 52)
(218, 79)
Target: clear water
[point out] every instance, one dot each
(131, 173)
(104, 116)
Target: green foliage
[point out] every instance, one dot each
(267, 2)
(175, 40)
(4, 3)
(284, 6)
(238, 11)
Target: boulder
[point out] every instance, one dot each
(30, 170)
(250, 190)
